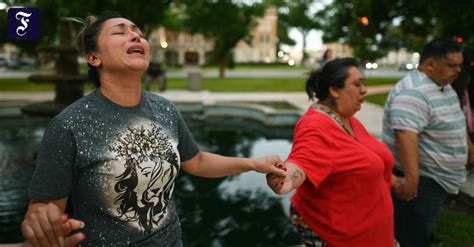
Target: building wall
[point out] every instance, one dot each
(340, 50)
(264, 41)
(399, 57)
(179, 48)
(392, 58)
(9, 51)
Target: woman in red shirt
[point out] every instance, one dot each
(341, 173)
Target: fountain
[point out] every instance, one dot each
(69, 83)
(20, 134)
(253, 215)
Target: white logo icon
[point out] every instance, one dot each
(23, 18)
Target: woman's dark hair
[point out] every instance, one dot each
(86, 40)
(333, 74)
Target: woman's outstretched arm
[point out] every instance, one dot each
(205, 164)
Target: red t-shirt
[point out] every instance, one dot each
(345, 198)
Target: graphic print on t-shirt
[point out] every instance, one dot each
(144, 185)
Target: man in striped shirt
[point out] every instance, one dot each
(425, 129)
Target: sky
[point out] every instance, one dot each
(313, 40)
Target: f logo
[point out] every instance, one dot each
(23, 23)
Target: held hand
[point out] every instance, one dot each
(69, 226)
(43, 226)
(279, 185)
(283, 185)
(48, 226)
(72, 225)
(395, 182)
(270, 164)
(406, 190)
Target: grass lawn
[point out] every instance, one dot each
(378, 99)
(455, 225)
(248, 67)
(211, 84)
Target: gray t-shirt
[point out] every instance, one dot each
(118, 165)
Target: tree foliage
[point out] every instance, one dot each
(300, 17)
(225, 22)
(393, 24)
(283, 24)
(139, 12)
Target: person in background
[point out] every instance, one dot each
(327, 56)
(468, 65)
(117, 152)
(460, 86)
(425, 129)
(155, 73)
(341, 173)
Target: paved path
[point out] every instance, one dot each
(257, 73)
(370, 114)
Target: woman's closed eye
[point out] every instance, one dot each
(145, 171)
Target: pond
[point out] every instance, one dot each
(234, 211)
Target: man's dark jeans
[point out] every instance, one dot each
(414, 219)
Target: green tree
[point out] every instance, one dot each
(283, 30)
(351, 23)
(146, 14)
(225, 22)
(374, 27)
(299, 16)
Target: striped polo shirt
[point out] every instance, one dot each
(418, 104)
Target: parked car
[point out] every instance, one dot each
(371, 65)
(3, 62)
(407, 66)
(21, 62)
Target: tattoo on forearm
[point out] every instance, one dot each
(296, 176)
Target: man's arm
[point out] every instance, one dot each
(406, 143)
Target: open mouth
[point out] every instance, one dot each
(137, 50)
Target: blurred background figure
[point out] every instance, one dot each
(460, 86)
(468, 66)
(155, 73)
(327, 56)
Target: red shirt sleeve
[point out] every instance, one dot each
(312, 151)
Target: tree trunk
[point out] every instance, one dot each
(222, 65)
(304, 57)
